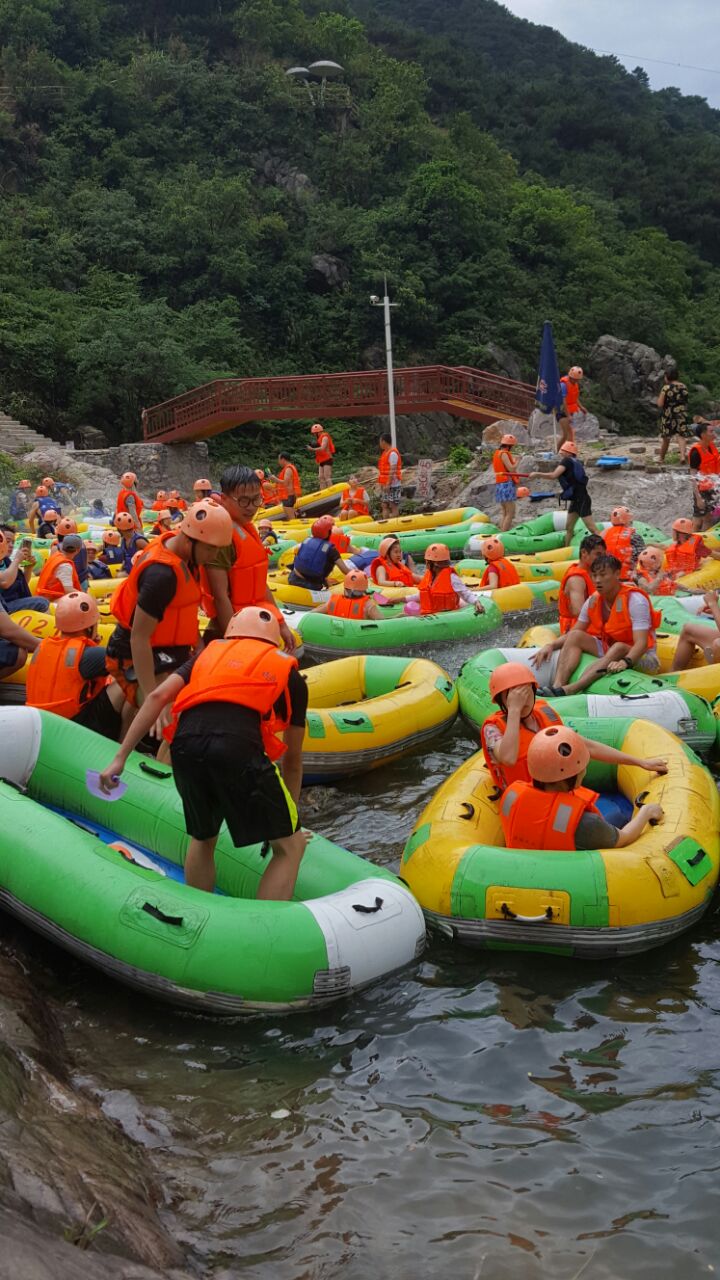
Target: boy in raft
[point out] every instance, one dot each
(505, 737)
(650, 573)
(130, 540)
(129, 501)
(499, 571)
(67, 673)
(355, 500)
(236, 575)
(323, 448)
(355, 601)
(623, 541)
(157, 605)
(554, 810)
(317, 557)
(389, 477)
(573, 488)
(616, 625)
(112, 551)
(505, 468)
(390, 569)
(441, 589)
(15, 563)
(15, 642)
(577, 585)
(229, 702)
(63, 528)
(59, 575)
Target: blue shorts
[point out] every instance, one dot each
(9, 654)
(505, 492)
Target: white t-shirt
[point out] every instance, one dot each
(638, 608)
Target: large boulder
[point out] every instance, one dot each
(430, 435)
(542, 429)
(327, 272)
(95, 473)
(493, 434)
(500, 360)
(630, 374)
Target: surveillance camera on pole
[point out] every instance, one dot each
(386, 304)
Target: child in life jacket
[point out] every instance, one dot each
(500, 572)
(506, 735)
(355, 500)
(163, 523)
(623, 541)
(441, 589)
(687, 550)
(650, 573)
(355, 600)
(130, 540)
(112, 552)
(64, 527)
(391, 568)
(95, 567)
(554, 810)
(268, 536)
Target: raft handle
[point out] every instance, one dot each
(155, 773)
(157, 914)
(368, 911)
(697, 857)
(495, 794)
(641, 798)
(353, 719)
(469, 813)
(548, 914)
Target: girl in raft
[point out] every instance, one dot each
(441, 589)
(500, 572)
(355, 601)
(390, 569)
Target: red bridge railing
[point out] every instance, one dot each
(228, 402)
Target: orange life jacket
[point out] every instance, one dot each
(665, 588)
(48, 583)
(384, 467)
(340, 540)
(617, 627)
(160, 506)
(504, 774)
(508, 575)
(269, 492)
(247, 576)
(680, 557)
(572, 395)
(567, 617)
(618, 540)
(327, 448)
(396, 573)
(54, 682)
(437, 595)
(121, 502)
(250, 673)
(289, 482)
(535, 819)
(179, 626)
(709, 456)
(501, 472)
(356, 500)
(348, 606)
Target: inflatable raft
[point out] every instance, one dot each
(590, 904)
(103, 880)
(666, 643)
(322, 502)
(322, 634)
(629, 695)
(547, 533)
(365, 711)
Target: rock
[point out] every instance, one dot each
(280, 172)
(493, 434)
(327, 272)
(430, 435)
(88, 437)
(500, 360)
(542, 429)
(30, 1253)
(95, 472)
(630, 373)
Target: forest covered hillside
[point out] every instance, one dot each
(174, 208)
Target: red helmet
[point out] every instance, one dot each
(48, 482)
(621, 515)
(163, 514)
(161, 495)
(316, 428)
(123, 520)
(322, 527)
(265, 523)
(76, 611)
(683, 525)
(576, 373)
(387, 543)
(492, 549)
(111, 538)
(206, 521)
(356, 581)
(438, 553)
(509, 676)
(259, 473)
(556, 754)
(509, 438)
(23, 484)
(568, 446)
(254, 623)
(66, 525)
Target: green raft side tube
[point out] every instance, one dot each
(547, 533)
(476, 568)
(323, 634)
(454, 536)
(221, 953)
(623, 697)
(282, 545)
(675, 615)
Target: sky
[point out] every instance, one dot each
(686, 31)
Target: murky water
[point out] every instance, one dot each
(478, 1116)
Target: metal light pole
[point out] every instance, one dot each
(386, 304)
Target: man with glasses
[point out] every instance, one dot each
(237, 576)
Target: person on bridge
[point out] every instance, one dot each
(288, 485)
(355, 500)
(316, 558)
(323, 448)
(505, 468)
(129, 500)
(235, 577)
(571, 402)
(389, 478)
(573, 489)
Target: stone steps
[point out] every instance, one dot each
(15, 437)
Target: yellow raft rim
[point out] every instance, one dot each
(521, 598)
(320, 498)
(369, 709)
(606, 902)
(537, 636)
(420, 522)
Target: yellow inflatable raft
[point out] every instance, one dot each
(536, 637)
(418, 523)
(366, 710)
(605, 902)
(313, 503)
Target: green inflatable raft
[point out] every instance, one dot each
(325, 635)
(103, 880)
(547, 533)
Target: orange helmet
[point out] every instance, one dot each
(356, 581)
(492, 549)
(706, 485)
(509, 676)
(322, 527)
(651, 558)
(48, 482)
(259, 473)
(509, 438)
(123, 520)
(254, 623)
(206, 521)
(161, 495)
(568, 446)
(163, 514)
(683, 525)
(66, 525)
(111, 538)
(387, 543)
(202, 485)
(41, 491)
(556, 754)
(523, 491)
(621, 515)
(316, 428)
(438, 553)
(128, 478)
(76, 611)
(23, 484)
(575, 372)
(51, 516)
(265, 523)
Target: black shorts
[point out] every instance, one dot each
(100, 716)
(290, 501)
(580, 504)
(9, 654)
(216, 785)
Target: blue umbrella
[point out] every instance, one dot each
(548, 393)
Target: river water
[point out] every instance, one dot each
(479, 1116)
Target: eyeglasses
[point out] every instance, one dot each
(247, 499)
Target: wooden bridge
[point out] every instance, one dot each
(229, 402)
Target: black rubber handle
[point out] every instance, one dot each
(353, 719)
(368, 911)
(155, 773)
(697, 858)
(469, 813)
(157, 914)
(641, 798)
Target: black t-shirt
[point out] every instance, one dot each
(234, 721)
(568, 481)
(156, 590)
